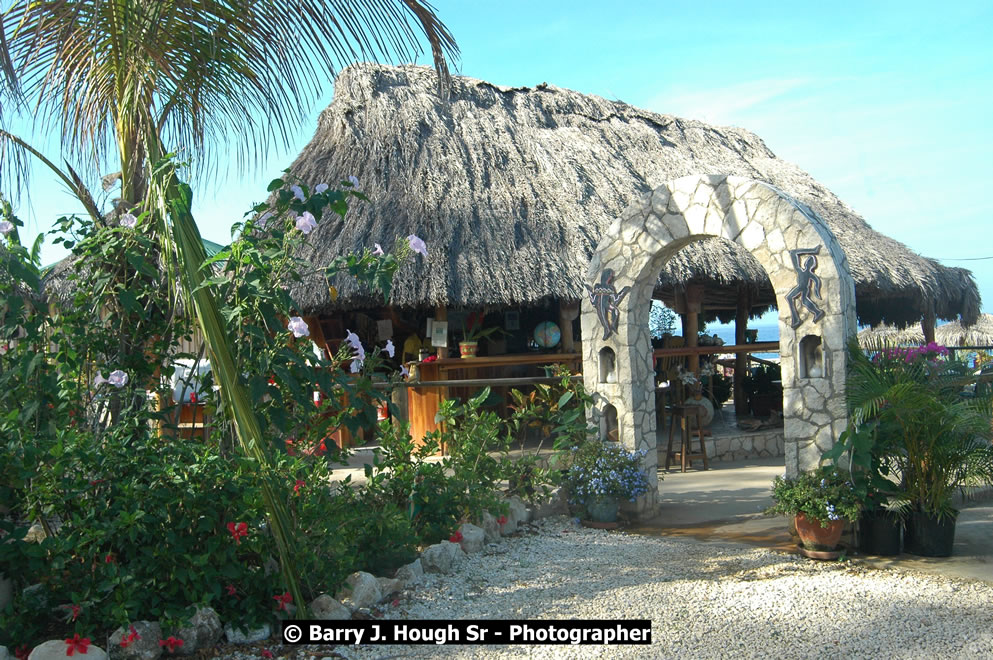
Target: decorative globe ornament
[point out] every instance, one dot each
(547, 334)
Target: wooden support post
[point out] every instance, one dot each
(691, 327)
(928, 323)
(741, 359)
(568, 312)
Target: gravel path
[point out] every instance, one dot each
(705, 600)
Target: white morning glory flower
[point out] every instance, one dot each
(320, 187)
(390, 348)
(354, 181)
(99, 380)
(128, 220)
(353, 340)
(355, 366)
(298, 327)
(404, 371)
(118, 378)
(417, 245)
(378, 252)
(297, 192)
(306, 222)
(6, 226)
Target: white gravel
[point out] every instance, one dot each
(705, 600)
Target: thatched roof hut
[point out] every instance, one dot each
(955, 333)
(511, 188)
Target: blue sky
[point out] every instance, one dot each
(887, 104)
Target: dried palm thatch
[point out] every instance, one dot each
(955, 333)
(512, 189)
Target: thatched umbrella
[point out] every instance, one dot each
(979, 333)
(512, 189)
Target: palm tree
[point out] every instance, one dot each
(124, 82)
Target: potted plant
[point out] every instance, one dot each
(820, 502)
(939, 440)
(472, 332)
(601, 474)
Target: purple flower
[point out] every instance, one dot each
(353, 340)
(390, 348)
(417, 245)
(320, 187)
(6, 226)
(404, 371)
(118, 378)
(128, 220)
(378, 252)
(306, 222)
(355, 366)
(354, 181)
(297, 192)
(264, 218)
(298, 327)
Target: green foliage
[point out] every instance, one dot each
(604, 470)
(661, 320)
(824, 495)
(910, 424)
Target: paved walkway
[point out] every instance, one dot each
(726, 503)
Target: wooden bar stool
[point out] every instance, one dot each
(682, 415)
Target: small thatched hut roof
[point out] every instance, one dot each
(955, 333)
(512, 188)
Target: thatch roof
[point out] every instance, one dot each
(950, 334)
(512, 188)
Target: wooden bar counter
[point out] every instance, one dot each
(424, 401)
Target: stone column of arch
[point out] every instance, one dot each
(783, 235)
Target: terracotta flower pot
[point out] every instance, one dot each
(815, 537)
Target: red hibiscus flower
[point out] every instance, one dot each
(300, 483)
(456, 537)
(283, 600)
(238, 530)
(193, 398)
(502, 520)
(130, 638)
(77, 644)
(321, 449)
(290, 447)
(231, 590)
(109, 558)
(22, 652)
(171, 644)
(266, 653)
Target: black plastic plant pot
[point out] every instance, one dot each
(880, 533)
(929, 536)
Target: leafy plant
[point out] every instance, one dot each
(601, 470)
(824, 495)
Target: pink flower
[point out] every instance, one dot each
(306, 222)
(117, 378)
(77, 644)
(283, 600)
(378, 252)
(171, 644)
(266, 653)
(417, 245)
(298, 327)
(297, 192)
(320, 187)
(238, 530)
(128, 220)
(391, 350)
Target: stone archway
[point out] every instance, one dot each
(808, 271)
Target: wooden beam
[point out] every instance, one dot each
(740, 359)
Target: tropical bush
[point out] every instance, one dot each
(600, 470)
(824, 494)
